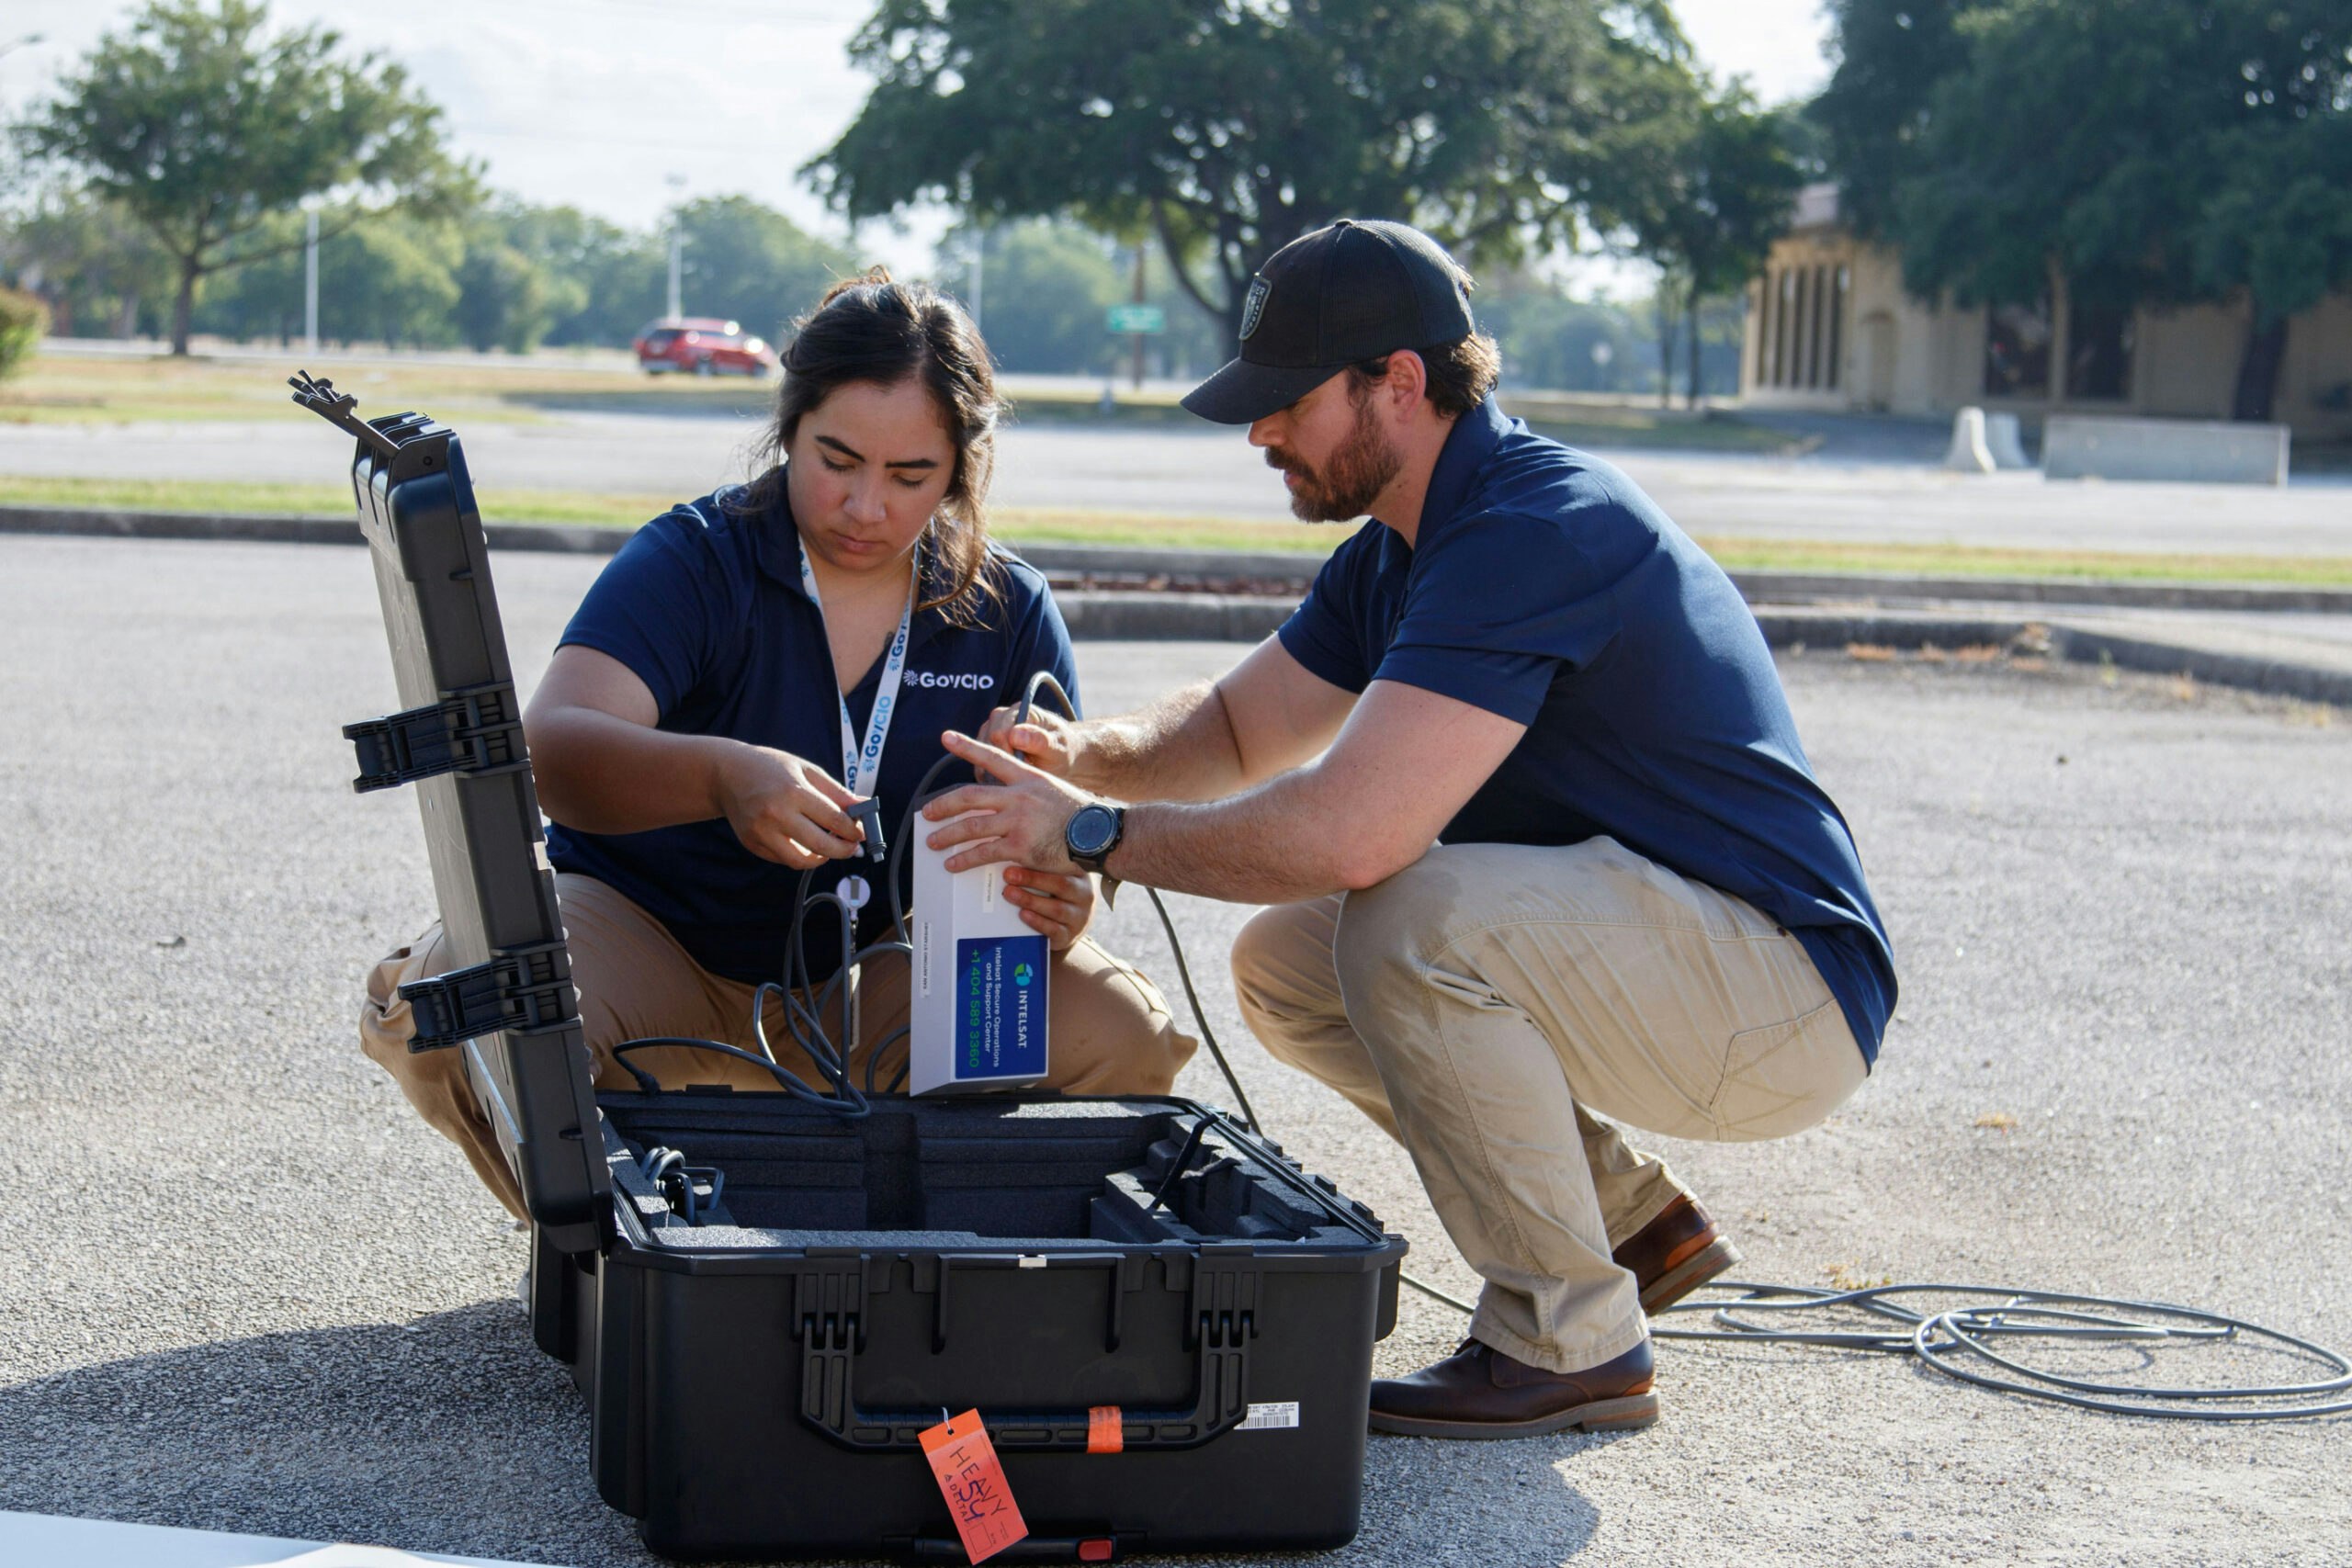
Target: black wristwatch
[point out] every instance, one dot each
(1093, 831)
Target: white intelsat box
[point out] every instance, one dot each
(978, 1013)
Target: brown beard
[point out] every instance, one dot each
(1356, 472)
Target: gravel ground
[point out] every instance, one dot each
(246, 1290)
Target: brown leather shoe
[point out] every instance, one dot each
(1675, 1254)
(1478, 1392)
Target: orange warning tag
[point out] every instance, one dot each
(973, 1483)
(1104, 1433)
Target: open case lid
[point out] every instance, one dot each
(507, 1000)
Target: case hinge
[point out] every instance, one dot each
(473, 730)
(521, 989)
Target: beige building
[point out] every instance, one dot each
(1830, 327)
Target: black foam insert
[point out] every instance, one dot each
(987, 1166)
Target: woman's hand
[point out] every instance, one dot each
(1051, 902)
(786, 807)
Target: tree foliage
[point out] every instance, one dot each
(1890, 55)
(1230, 127)
(753, 263)
(1045, 288)
(393, 280)
(510, 290)
(23, 319)
(97, 266)
(1708, 217)
(2148, 152)
(205, 126)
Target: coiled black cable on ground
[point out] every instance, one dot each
(1955, 1342)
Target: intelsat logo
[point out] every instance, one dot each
(1022, 974)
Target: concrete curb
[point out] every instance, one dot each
(2075, 644)
(1757, 587)
(1220, 618)
(575, 538)
(1255, 566)
(1832, 587)
(1224, 617)
(1171, 617)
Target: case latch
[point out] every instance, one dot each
(831, 1305)
(473, 730)
(521, 989)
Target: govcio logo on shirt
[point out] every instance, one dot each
(973, 682)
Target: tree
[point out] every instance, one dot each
(23, 321)
(518, 278)
(2139, 152)
(1550, 340)
(752, 263)
(203, 127)
(1047, 286)
(1890, 55)
(622, 277)
(392, 279)
(1709, 220)
(96, 265)
(1228, 128)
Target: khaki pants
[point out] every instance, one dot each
(1109, 1028)
(1486, 1002)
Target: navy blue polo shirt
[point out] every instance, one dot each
(1547, 588)
(706, 607)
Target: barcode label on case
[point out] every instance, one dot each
(1262, 1417)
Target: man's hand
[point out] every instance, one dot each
(787, 808)
(1046, 742)
(1021, 820)
(1049, 902)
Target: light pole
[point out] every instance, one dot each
(677, 184)
(311, 280)
(979, 271)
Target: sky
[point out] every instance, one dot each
(600, 103)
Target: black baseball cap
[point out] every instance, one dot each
(1356, 290)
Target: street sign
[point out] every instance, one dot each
(1136, 318)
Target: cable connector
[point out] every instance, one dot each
(867, 814)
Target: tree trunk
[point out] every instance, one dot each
(1666, 317)
(1694, 347)
(185, 306)
(2257, 389)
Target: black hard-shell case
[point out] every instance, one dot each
(758, 1369)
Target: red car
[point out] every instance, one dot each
(704, 345)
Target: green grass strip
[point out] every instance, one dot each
(1203, 533)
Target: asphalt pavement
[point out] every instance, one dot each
(1179, 471)
(245, 1288)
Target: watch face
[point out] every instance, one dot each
(1091, 829)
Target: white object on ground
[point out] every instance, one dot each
(2197, 451)
(52, 1540)
(1968, 453)
(2005, 440)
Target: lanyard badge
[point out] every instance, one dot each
(862, 760)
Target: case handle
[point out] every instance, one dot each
(1220, 1397)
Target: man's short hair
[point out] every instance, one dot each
(1461, 373)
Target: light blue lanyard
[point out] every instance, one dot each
(861, 764)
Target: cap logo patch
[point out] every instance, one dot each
(1254, 306)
